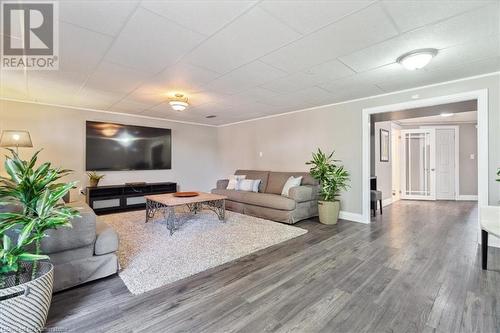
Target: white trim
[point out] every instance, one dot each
(457, 154)
(387, 202)
(467, 197)
(351, 217)
(482, 105)
(104, 111)
(363, 98)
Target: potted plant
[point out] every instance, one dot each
(94, 178)
(33, 197)
(333, 179)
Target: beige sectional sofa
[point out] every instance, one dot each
(268, 203)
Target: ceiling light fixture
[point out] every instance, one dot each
(417, 59)
(179, 102)
(446, 114)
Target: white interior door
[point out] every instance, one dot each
(445, 164)
(418, 172)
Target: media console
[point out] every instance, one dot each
(118, 198)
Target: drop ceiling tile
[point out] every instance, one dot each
(81, 50)
(107, 17)
(151, 43)
(460, 29)
(205, 17)
(96, 99)
(180, 78)
(251, 36)
(307, 16)
(414, 14)
(115, 78)
(245, 77)
(256, 94)
(481, 48)
(57, 87)
(357, 31)
(302, 98)
(330, 70)
(129, 106)
(292, 83)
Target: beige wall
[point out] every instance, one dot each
(61, 134)
(287, 141)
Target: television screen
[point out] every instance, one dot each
(115, 147)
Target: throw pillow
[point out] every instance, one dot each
(233, 181)
(256, 184)
(248, 185)
(291, 182)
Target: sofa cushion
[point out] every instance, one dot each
(107, 239)
(278, 179)
(256, 174)
(258, 199)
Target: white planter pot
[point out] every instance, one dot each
(24, 307)
(328, 211)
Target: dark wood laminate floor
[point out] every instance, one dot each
(415, 269)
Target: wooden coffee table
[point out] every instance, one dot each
(166, 203)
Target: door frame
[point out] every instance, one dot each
(432, 165)
(457, 154)
(396, 167)
(482, 140)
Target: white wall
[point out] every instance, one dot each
(61, 134)
(287, 141)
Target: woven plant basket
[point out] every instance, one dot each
(24, 305)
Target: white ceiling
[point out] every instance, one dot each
(245, 59)
(460, 117)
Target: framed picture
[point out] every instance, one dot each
(384, 145)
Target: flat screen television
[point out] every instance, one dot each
(117, 147)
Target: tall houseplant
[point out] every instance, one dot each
(333, 179)
(30, 200)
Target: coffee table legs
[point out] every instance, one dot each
(217, 206)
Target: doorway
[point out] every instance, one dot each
(480, 96)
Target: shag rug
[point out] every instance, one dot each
(150, 258)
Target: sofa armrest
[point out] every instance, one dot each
(82, 232)
(222, 184)
(304, 193)
(107, 239)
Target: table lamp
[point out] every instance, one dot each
(16, 139)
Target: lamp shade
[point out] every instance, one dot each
(11, 138)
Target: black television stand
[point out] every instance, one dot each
(120, 198)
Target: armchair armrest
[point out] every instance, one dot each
(222, 184)
(304, 193)
(106, 240)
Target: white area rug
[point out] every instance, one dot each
(150, 257)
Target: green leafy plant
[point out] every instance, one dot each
(37, 193)
(333, 178)
(94, 178)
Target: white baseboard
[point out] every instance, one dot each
(464, 197)
(351, 217)
(386, 202)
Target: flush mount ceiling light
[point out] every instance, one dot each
(446, 114)
(179, 102)
(417, 59)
